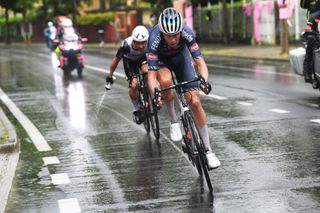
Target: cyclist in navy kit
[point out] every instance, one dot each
(133, 52)
(169, 47)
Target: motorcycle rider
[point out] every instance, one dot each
(170, 46)
(133, 52)
(308, 70)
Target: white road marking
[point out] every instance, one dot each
(216, 97)
(278, 111)
(60, 178)
(50, 160)
(69, 205)
(104, 71)
(316, 121)
(35, 135)
(244, 103)
(313, 105)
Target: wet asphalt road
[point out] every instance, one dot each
(262, 124)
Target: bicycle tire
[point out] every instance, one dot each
(191, 137)
(200, 148)
(144, 109)
(153, 117)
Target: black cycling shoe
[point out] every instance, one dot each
(307, 77)
(315, 84)
(137, 117)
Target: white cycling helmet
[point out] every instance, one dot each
(66, 22)
(170, 21)
(140, 34)
(50, 24)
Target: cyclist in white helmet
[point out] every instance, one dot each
(170, 45)
(133, 52)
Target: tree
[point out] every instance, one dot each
(8, 5)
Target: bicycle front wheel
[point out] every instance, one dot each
(153, 117)
(196, 142)
(144, 110)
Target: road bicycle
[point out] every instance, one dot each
(147, 107)
(193, 144)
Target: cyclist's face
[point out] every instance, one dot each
(140, 46)
(172, 40)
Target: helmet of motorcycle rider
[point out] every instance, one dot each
(140, 34)
(66, 23)
(50, 24)
(170, 21)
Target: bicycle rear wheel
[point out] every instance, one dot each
(199, 147)
(153, 117)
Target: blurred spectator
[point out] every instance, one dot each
(100, 32)
(50, 33)
(117, 27)
(285, 12)
(151, 22)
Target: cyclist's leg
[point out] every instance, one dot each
(142, 63)
(165, 80)
(129, 68)
(185, 71)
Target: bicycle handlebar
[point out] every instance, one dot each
(157, 91)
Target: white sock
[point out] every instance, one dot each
(172, 112)
(135, 104)
(204, 134)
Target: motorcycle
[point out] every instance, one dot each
(70, 54)
(297, 57)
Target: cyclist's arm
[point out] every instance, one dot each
(113, 66)
(153, 68)
(202, 67)
(120, 53)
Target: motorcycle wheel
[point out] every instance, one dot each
(79, 70)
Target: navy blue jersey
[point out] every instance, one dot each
(158, 50)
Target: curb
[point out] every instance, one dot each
(9, 157)
(112, 52)
(12, 144)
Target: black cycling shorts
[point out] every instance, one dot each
(132, 68)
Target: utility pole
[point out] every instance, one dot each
(74, 12)
(225, 22)
(8, 39)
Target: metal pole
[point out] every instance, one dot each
(297, 22)
(231, 18)
(74, 12)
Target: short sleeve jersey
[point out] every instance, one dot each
(126, 51)
(158, 49)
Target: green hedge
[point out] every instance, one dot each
(96, 19)
(15, 19)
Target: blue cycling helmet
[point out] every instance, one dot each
(170, 21)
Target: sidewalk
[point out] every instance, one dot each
(9, 156)
(217, 50)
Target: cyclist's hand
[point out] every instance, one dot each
(109, 79)
(109, 82)
(205, 86)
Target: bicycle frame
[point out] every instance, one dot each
(194, 145)
(147, 106)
